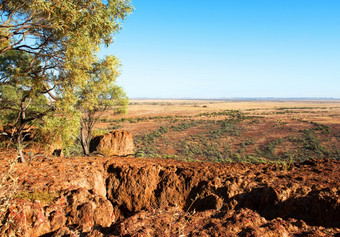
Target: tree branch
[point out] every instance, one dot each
(9, 108)
(49, 92)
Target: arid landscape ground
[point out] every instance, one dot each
(229, 131)
(201, 168)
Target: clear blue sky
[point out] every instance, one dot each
(230, 48)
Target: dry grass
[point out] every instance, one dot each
(147, 108)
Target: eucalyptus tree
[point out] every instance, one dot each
(62, 34)
(60, 40)
(100, 94)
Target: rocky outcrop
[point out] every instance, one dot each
(149, 197)
(271, 193)
(115, 143)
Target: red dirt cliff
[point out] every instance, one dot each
(154, 197)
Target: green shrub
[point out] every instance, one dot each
(311, 141)
(271, 146)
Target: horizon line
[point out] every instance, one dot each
(234, 98)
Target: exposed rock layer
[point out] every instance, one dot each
(148, 197)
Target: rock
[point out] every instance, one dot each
(115, 143)
(58, 220)
(98, 183)
(85, 210)
(64, 231)
(155, 197)
(103, 214)
(94, 233)
(85, 217)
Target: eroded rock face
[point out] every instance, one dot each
(115, 143)
(150, 197)
(197, 187)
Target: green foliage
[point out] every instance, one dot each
(227, 127)
(151, 137)
(21, 83)
(210, 144)
(62, 129)
(59, 59)
(221, 139)
(100, 91)
(248, 141)
(311, 142)
(234, 114)
(22, 103)
(10, 103)
(62, 34)
(99, 132)
(270, 148)
(99, 94)
(169, 156)
(248, 158)
(280, 124)
(321, 127)
(146, 143)
(139, 119)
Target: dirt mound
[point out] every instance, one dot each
(115, 143)
(154, 197)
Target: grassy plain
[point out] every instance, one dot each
(231, 131)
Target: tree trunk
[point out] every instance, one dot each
(88, 142)
(86, 126)
(21, 127)
(84, 141)
(20, 148)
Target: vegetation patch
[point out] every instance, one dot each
(219, 137)
(45, 196)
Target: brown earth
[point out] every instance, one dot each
(114, 196)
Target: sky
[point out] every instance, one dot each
(230, 48)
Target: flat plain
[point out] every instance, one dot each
(231, 131)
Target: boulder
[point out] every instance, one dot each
(115, 143)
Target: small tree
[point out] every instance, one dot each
(100, 94)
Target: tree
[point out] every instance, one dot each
(22, 103)
(62, 34)
(59, 40)
(99, 95)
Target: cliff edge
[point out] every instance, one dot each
(95, 196)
